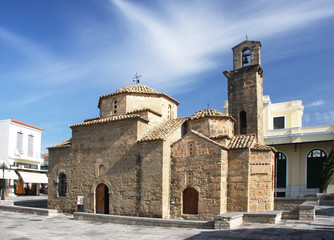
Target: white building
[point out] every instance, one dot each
(20, 150)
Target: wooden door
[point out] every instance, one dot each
(100, 198)
(190, 201)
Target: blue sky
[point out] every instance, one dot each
(57, 57)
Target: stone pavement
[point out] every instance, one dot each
(15, 226)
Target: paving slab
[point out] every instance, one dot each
(14, 226)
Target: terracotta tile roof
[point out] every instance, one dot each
(138, 89)
(208, 139)
(259, 147)
(213, 113)
(164, 129)
(242, 141)
(66, 143)
(107, 119)
(144, 110)
(25, 124)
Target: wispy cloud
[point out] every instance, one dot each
(316, 103)
(180, 40)
(166, 44)
(319, 118)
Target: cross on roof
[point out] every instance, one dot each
(136, 78)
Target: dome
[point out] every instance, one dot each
(208, 113)
(138, 89)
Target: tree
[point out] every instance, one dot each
(327, 171)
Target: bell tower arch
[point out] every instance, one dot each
(245, 89)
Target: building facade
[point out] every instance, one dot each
(20, 152)
(139, 159)
(301, 150)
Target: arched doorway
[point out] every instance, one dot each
(315, 160)
(190, 201)
(102, 199)
(280, 173)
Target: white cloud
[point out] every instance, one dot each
(179, 39)
(316, 103)
(167, 44)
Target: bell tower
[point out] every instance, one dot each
(245, 89)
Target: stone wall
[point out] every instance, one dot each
(112, 145)
(205, 170)
(261, 181)
(238, 178)
(149, 179)
(212, 127)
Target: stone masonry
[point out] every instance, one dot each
(139, 159)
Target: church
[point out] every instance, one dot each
(139, 159)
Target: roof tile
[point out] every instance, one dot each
(107, 119)
(242, 141)
(209, 113)
(164, 129)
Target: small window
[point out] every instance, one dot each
(169, 115)
(243, 122)
(279, 122)
(102, 170)
(190, 178)
(114, 106)
(30, 146)
(19, 143)
(191, 148)
(62, 185)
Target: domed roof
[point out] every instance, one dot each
(209, 112)
(138, 89)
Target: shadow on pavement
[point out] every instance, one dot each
(269, 233)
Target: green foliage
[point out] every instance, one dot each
(327, 172)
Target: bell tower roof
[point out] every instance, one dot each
(246, 53)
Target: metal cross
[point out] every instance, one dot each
(136, 78)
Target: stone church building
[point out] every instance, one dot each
(139, 159)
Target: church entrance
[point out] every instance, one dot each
(190, 201)
(102, 199)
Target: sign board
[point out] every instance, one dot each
(80, 200)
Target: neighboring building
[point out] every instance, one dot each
(138, 159)
(45, 163)
(301, 150)
(20, 150)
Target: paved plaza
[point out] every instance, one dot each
(15, 226)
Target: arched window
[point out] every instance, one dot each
(102, 170)
(62, 185)
(169, 113)
(280, 170)
(246, 59)
(243, 122)
(190, 201)
(315, 160)
(114, 106)
(191, 149)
